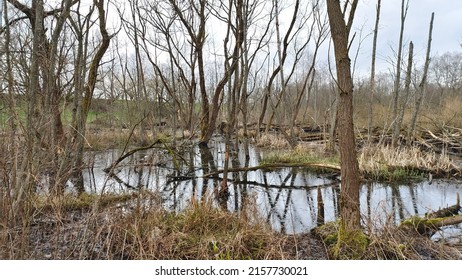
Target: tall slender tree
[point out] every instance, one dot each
(372, 81)
(350, 237)
(397, 83)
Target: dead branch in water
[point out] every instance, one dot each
(110, 168)
(275, 165)
(276, 186)
(433, 221)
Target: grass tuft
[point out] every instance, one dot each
(201, 231)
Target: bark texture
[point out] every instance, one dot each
(349, 201)
(351, 240)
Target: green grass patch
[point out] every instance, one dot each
(21, 108)
(301, 157)
(298, 156)
(394, 174)
(66, 116)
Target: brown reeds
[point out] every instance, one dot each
(273, 141)
(388, 163)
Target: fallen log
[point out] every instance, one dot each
(433, 221)
(445, 212)
(429, 226)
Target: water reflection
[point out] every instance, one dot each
(287, 197)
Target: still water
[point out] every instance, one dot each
(286, 197)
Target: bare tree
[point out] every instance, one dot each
(321, 26)
(422, 85)
(282, 56)
(447, 74)
(194, 17)
(251, 10)
(284, 78)
(82, 106)
(7, 193)
(44, 91)
(229, 71)
(174, 77)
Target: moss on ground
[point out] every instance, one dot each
(351, 245)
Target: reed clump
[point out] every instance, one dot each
(273, 141)
(393, 243)
(383, 162)
(376, 162)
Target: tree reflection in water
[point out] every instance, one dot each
(287, 197)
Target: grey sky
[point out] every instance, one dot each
(447, 30)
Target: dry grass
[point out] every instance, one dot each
(390, 242)
(141, 229)
(376, 162)
(394, 243)
(273, 141)
(102, 139)
(385, 162)
(448, 113)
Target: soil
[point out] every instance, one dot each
(306, 246)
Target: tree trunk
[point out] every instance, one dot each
(397, 82)
(433, 221)
(349, 241)
(84, 107)
(372, 81)
(213, 113)
(405, 99)
(282, 55)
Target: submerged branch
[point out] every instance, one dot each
(275, 165)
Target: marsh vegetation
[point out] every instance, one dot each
(137, 131)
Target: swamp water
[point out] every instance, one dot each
(287, 197)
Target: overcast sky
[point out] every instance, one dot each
(447, 29)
